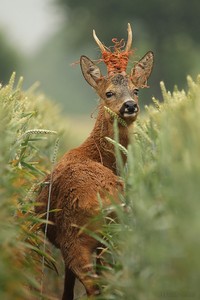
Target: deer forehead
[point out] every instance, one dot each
(120, 80)
(119, 83)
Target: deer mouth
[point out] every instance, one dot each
(129, 109)
(128, 115)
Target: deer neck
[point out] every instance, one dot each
(97, 147)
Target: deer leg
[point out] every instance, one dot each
(80, 261)
(69, 283)
(84, 270)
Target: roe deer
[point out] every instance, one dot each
(90, 170)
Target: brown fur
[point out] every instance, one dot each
(81, 175)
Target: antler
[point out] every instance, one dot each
(117, 60)
(99, 43)
(129, 41)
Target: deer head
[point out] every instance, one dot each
(118, 90)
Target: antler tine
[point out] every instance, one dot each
(129, 41)
(99, 43)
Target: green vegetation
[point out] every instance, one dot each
(27, 131)
(157, 241)
(155, 245)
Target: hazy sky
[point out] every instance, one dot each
(28, 23)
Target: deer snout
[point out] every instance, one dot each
(129, 107)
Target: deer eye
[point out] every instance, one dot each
(109, 94)
(136, 92)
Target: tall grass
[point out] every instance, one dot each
(29, 125)
(153, 249)
(157, 247)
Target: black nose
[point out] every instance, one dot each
(130, 107)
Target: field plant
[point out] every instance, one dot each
(152, 247)
(30, 126)
(155, 244)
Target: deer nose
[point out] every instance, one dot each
(130, 107)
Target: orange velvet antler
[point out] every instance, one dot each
(117, 60)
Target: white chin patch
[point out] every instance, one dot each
(129, 115)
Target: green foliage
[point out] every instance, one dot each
(152, 252)
(157, 245)
(27, 131)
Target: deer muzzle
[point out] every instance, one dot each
(129, 108)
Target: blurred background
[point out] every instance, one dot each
(41, 39)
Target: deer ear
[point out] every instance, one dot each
(142, 70)
(90, 71)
